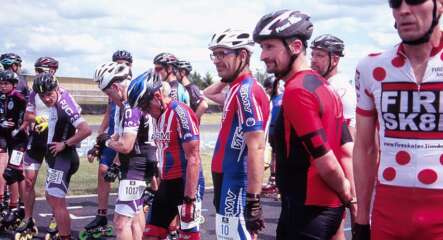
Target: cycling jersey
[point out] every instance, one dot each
(178, 92)
(22, 86)
(310, 125)
(346, 92)
(64, 116)
(12, 109)
(177, 125)
(410, 119)
(141, 162)
(246, 109)
(195, 95)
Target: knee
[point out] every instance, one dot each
(121, 223)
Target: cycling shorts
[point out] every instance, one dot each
(60, 169)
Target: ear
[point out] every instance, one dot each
(335, 59)
(296, 46)
(243, 54)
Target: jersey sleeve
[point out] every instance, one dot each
(349, 104)
(188, 126)
(131, 120)
(365, 98)
(72, 109)
(249, 111)
(309, 127)
(30, 107)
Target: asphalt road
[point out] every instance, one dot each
(83, 209)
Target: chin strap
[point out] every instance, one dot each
(288, 67)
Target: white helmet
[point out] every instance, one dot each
(108, 73)
(232, 39)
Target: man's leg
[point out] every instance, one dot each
(29, 197)
(61, 214)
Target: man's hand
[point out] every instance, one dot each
(56, 147)
(361, 232)
(101, 140)
(7, 124)
(253, 213)
(112, 173)
(94, 153)
(188, 210)
(41, 124)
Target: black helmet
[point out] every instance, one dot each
(45, 63)
(7, 59)
(9, 76)
(165, 59)
(329, 43)
(44, 82)
(183, 64)
(283, 24)
(122, 55)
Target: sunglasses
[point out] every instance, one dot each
(220, 55)
(397, 3)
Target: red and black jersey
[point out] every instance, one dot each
(311, 124)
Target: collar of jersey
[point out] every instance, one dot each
(241, 77)
(434, 51)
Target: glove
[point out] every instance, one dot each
(15, 132)
(6, 124)
(101, 140)
(188, 210)
(112, 173)
(41, 124)
(253, 213)
(361, 232)
(94, 153)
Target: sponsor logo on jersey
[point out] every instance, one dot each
(237, 139)
(68, 110)
(244, 95)
(230, 203)
(412, 111)
(182, 116)
(162, 136)
(10, 105)
(250, 122)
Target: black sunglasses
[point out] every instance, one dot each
(397, 3)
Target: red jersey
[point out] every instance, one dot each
(177, 125)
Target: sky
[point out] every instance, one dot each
(83, 34)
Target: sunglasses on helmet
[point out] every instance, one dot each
(397, 3)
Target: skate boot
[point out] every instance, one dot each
(52, 230)
(270, 190)
(98, 228)
(12, 219)
(26, 230)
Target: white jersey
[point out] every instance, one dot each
(347, 95)
(40, 108)
(410, 116)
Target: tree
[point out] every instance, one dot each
(260, 76)
(207, 80)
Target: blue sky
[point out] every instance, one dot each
(82, 34)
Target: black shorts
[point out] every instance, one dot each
(37, 145)
(308, 222)
(7, 144)
(60, 169)
(164, 207)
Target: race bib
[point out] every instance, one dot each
(197, 216)
(227, 227)
(16, 158)
(130, 190)
(54, 176)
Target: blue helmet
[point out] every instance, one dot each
(142, 88)
(8, 59)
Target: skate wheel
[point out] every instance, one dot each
(18, 236)
(83, 235)
(109, 232)
(202, 219)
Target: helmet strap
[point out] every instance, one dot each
(288, 67)
(240, 68)
(330, 67)
(425, 38)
